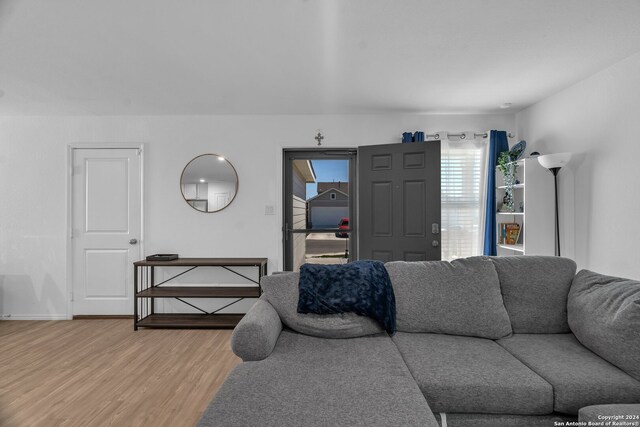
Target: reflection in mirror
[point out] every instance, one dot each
(209, 183)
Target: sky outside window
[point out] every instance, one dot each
(328, 171)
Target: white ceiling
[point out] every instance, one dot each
(302, 56)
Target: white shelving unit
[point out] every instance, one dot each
(533, 202)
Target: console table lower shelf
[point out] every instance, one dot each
(195, 321)
(147, 291)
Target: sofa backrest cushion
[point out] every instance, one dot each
(281, 290)
(535, 290)
(604, 314)
(461, 297)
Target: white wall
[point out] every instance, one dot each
(33, 217)
(597, 119)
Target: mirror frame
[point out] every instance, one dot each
(234, 172)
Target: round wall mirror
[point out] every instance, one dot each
(209, 183)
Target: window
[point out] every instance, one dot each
(332, 196)
(463, 178)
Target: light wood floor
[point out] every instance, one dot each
(101, 372)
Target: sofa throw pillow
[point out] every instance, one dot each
(535, 289)
(604, 314)
(360, 287)
(281, 290)
(461, 297)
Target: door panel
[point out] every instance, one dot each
(399, 199)
(107, 190)
(106, 221)
(381, 204)
(99, 265)
(414, 207)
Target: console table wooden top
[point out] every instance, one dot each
(205, 262)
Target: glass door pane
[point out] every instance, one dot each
(318, 208)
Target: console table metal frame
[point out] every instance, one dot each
(146, 291)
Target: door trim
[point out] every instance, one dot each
(69, 174)
(320, 154)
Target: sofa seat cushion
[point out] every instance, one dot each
(461, 297)
(604, 314)
(311, 381)
(578, 376)
(629, 413)
(504, 420)
(472, 375)
(535, 290)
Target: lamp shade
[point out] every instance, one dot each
(557, 160)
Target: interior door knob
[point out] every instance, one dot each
(133, 241)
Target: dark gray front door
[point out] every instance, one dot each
(399, 201)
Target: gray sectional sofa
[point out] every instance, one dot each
(482, 341)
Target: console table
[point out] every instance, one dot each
(146, 291)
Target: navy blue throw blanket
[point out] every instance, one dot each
(361, 287)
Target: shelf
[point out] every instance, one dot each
(181, 320)
(200, 292)
(206, 262)
(517, 248)
(517, 186)
(510, 213)
(147, 291)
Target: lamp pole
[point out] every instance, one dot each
(555, 171)
(554, 162)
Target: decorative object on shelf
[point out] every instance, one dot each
(507, 164)
(319, 138)
(209, 183)
(512, 233)
(517, 151)
(162, 257)
(555, 162)
(508, 167)
(417, 136)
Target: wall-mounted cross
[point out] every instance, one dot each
(319, 138)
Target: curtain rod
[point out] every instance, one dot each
(463, 135)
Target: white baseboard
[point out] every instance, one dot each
(33, 317)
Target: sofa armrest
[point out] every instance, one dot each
(256, 334)
(600, 413)
(604, 314)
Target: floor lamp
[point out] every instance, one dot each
(554, 162)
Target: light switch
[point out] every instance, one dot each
(269, 210)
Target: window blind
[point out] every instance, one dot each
(462, 205)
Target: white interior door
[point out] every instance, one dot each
(106, 226)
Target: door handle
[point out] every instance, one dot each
(435, 243)
(133, 241)
(435, 228)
